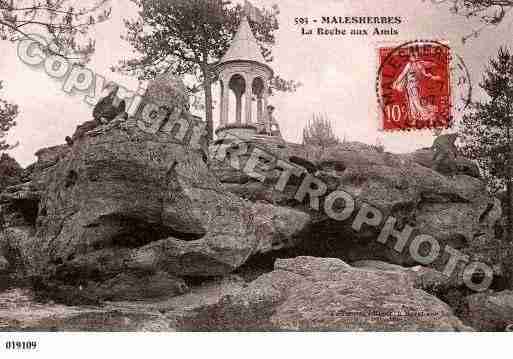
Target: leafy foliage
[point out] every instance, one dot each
(485, 129)
(487, 136)
(319, 132)
(8, 113)
(489, 12)
(10, 171)
(190, 37)
(64, 23)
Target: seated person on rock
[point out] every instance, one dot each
(445, 154)
(109, 109)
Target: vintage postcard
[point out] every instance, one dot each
(255, 166)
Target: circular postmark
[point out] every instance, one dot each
(421, 84)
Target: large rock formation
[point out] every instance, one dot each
(489, 311)
(123, 200)
(322, 294)
(126, 215)
(131, 217)
(21, 311)
(462, 165)
(299, 294)
(457, 209)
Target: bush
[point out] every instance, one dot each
(319, 133)
(10, 171)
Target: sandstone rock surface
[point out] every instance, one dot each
(303, 293)
(456, 210)
(123, 214)
(322, 294)
(489, 311)
(126, 200)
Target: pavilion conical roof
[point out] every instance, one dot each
(244, 46)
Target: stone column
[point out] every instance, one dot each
(238, 108)
(259, 109)
(249, 94)
(221, 103)
(225, 109)
(266, 118)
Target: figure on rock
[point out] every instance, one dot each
(270, 127)
(275, 127)
(110, 108)
(445, 153)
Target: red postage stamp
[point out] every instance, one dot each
(414, 86)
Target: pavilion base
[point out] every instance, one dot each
(237, 130)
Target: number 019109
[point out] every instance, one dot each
(20, 345)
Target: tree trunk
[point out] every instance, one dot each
(509, 210)
(207, 88)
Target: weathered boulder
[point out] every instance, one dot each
(19, 311)
(427, 279)
(489, 311)
(138, 286)
(425, 156)
(379, 265)
(26, 310)
(308, 293)
(247, 309)
(18, 213)
(300, 294)
(15, 242)
(274, 228)
(452, 290)
(49, 156)
(121, 199)
(447, 208)
(456, 210)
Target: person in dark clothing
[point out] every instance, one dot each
(445, 154)
(109, 108)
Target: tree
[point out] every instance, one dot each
(489, 12)
(319, 132)
(64, 23)
(8, 113)
(10, 171)
(487, 134)
(190, 37)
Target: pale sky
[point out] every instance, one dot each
(338, 73)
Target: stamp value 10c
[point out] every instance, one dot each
(414, 86)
